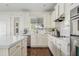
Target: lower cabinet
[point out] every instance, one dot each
(20, 49)
(59, 47)
(15, 50)
(54, 49)
(39, 40)
(24, 48)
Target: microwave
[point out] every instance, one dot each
(74, 16)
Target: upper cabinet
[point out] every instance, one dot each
(53, 19)
(61, 9)
(47, 20)
(56, 11)
(73, 5)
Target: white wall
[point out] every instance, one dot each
(3, 27)
(8, 18)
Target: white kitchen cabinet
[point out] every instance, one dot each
(18, 48)
(73, 5)
(61, 9)
(67, 13)
(24, 47)
(42, 40)
(59, 46)
(15, 50)
(53, 19)
(39, 40)
(47, 20)
(53, 45)
(34, 39)
(57, 11)
(53, 48)
(65, 47)
(66, 28)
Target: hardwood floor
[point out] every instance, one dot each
(38, 52)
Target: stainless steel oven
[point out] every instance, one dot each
(74, 28)
(75, 21)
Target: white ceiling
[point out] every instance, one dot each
(27, 6)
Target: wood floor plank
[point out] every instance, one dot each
(38, 52)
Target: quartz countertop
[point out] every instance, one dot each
(8, 44)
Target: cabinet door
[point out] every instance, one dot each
(56, 10)
(58, 47)
(12, 50)
(61, 8)
(18, 52)
(45, 40)
(42, 40)
(23, 51)
(47, 21)
(34, 40)
(73, 5)
(51, 47)
(53, 20)
(15, 50)
(23, 48)
(67, 19)
(18, 49)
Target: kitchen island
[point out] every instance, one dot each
(16, 47)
